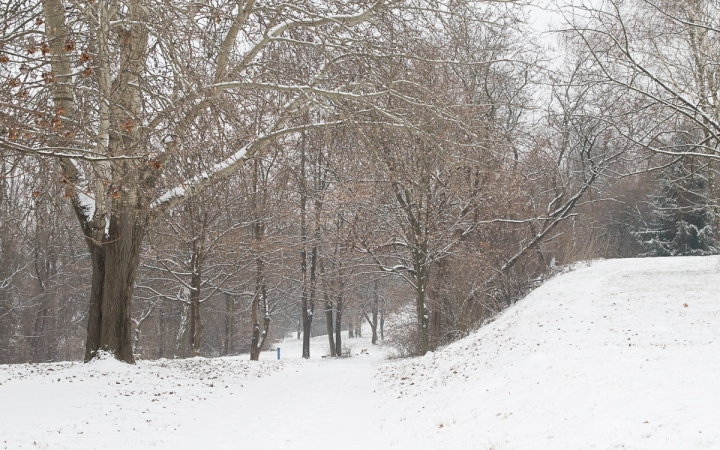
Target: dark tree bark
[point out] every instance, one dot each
(436, 330)
(196, 327)
(338, 325)
(329, 323)
(382, 323)
(306, 308)
(258, 336)
(309, 304)
(229, 312)
(97, 256)
(374, 311)
(115, 263)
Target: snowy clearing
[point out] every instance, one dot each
(608, 356)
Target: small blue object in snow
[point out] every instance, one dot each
(278, 349)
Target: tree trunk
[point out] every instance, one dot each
(97, 257)
(115, 263)
(309, 308)
(305, 307)
(115, 257)
(307, 316)
(374, 310)
(44, 270)
(196, 326)
(423, 319)
(422, 269)
(258, 336)
(436, 327)
(382, 323)
(229, 312)
(181, 339)
(329, 325)
(338, 327)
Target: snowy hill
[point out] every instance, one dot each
(607, 356)
(622, 354)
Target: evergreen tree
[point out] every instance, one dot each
(682, 221)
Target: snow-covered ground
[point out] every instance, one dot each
(621, 354)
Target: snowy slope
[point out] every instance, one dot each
(604, 357)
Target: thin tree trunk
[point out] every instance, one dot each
(196, 326)
(382, 322)
(422, 270)
(374, 311)
(309, 304)
(329, 324)
(423, 319)
(338, 326)
(307, 316)
(436, 327)
(255, 340)
(328, 312)
(305, 306)
(229, 312)
(259, 336)
(181, 339)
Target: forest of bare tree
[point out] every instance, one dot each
(204, 178)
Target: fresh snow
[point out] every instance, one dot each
(603, 357)
(179, 191)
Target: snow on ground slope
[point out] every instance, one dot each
(622, 354)
(109, 404)
(605, 357)
(198, 403)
